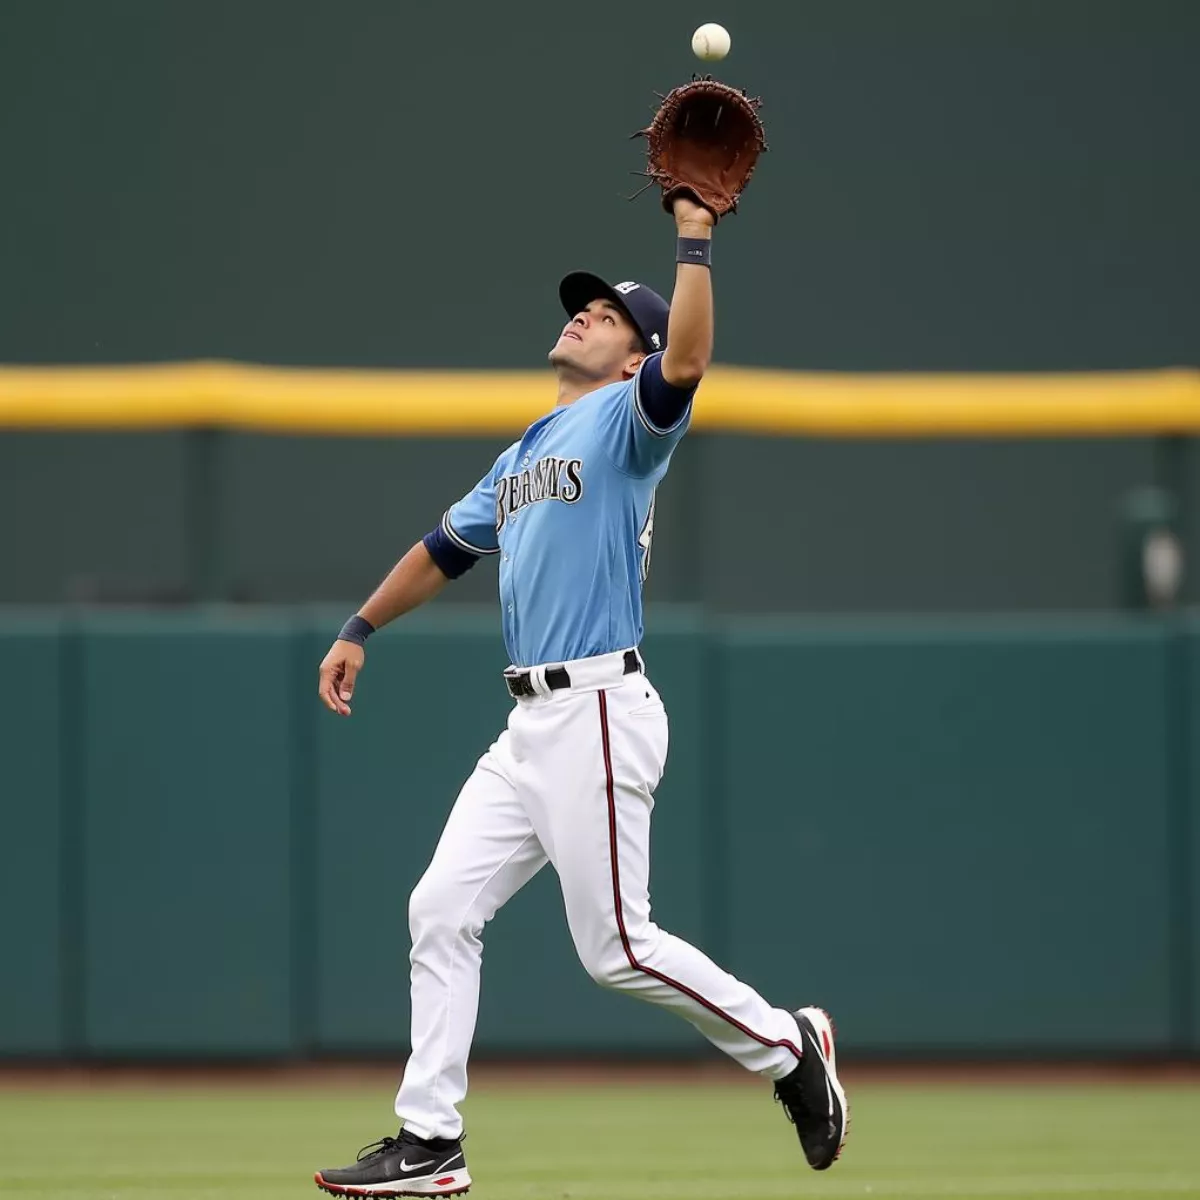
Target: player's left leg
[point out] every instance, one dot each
(596, 778)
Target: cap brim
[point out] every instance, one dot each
(578, 289)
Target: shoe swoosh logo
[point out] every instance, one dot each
(407, 1166)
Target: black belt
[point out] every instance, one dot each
(519, 683)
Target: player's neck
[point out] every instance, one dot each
(572, 387)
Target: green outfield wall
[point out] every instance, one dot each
(965, 835)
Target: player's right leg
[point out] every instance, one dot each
(487, 852)
(606, 750)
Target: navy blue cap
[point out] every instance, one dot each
(644, 307)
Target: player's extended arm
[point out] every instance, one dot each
(413, 580)
(690, 327)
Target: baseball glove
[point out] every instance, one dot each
(704, 142)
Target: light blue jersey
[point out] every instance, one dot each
(570, 511)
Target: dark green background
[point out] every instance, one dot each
(968, 184)
(968, 836)
(953, 184)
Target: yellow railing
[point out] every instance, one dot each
(732, 399)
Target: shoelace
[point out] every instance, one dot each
(383, 1146)
(793, 1103)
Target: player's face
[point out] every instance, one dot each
(599, 343)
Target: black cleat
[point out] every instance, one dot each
(401, 1166)
(811, 1095)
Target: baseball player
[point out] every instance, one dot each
(568, 511)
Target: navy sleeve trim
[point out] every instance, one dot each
(450, 559)
(661, 406)
(461, 541)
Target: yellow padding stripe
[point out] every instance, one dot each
(732, 399)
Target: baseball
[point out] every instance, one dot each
(710, 42)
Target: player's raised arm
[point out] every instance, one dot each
(701, 149)
(690, 326)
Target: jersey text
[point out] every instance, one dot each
(549, 478)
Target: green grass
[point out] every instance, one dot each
(710, 1141)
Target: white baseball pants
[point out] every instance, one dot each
(570, 782)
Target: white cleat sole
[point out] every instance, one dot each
(448, 1183)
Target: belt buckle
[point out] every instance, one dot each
(518, 684)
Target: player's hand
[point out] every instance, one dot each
(687, 211)
(339, 670)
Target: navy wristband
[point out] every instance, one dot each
(694, 250)
(356, 630)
